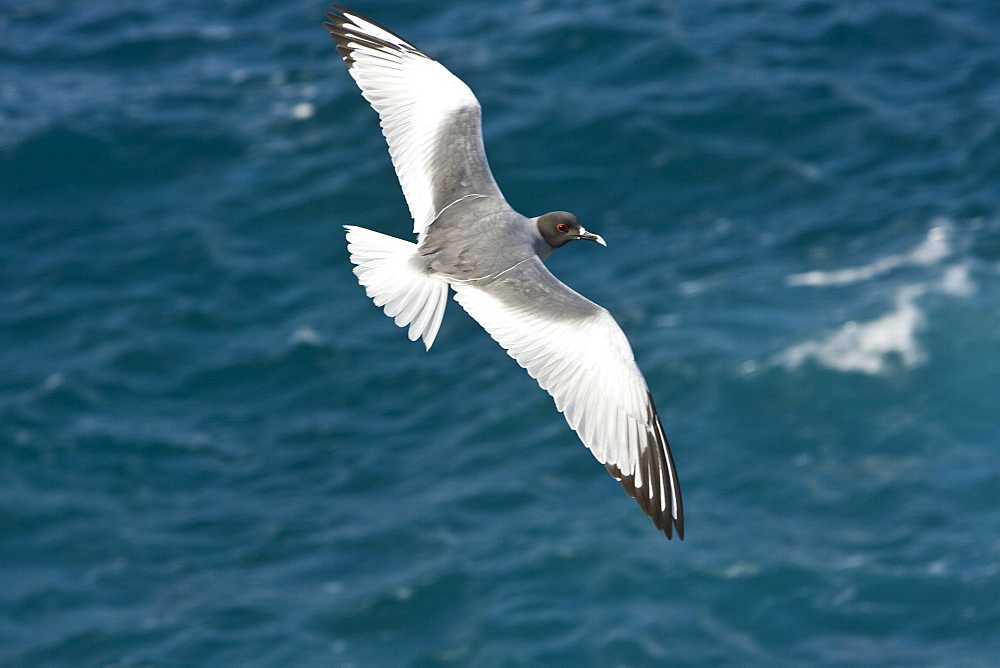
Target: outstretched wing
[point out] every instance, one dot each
(578, 353)
(429, 117)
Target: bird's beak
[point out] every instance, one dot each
(590, 236)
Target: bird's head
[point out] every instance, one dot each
(558, 228)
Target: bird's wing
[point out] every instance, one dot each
(578, 353)
(429, 117)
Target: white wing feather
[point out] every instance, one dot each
(587, 365)
(417, 100)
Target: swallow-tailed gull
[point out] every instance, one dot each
(470, 239)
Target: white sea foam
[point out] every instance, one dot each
(306, 335)
(890, 340)
(303, 110)
(935, 247)
(956, 281)
(868, 347)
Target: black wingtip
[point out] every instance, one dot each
(654, 462)
(675, 511)
(347, 34)
(339, 28)
(664, 520)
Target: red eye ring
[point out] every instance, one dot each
(562, 228)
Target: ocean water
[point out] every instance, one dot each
(217, 452)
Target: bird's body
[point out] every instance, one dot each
(472, 241)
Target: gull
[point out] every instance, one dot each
(470, 240)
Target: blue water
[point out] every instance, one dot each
(216, 451)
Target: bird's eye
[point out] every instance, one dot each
(562, 227)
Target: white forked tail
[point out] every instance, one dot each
(409, 295)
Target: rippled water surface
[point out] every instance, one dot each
(216, 451)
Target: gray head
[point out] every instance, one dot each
(558, 228)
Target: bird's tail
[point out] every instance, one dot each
(386, 267)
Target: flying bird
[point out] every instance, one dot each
(469, 239)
